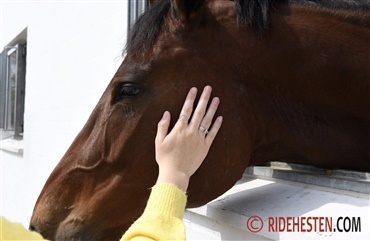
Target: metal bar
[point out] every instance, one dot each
(3, 71)
(7, 89)
(20, 91)
(135, 10)
(129, 18)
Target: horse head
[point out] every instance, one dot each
(103, 181)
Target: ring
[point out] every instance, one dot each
(184, 121)
(202, 129)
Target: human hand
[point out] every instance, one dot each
(180, 153)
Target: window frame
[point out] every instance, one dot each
(14, 128)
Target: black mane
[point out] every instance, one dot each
(252, 12)
(256, 12)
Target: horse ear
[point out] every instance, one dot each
(184, 9)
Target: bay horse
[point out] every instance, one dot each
(294, 83)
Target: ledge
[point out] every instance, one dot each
(336, 179)
(226, 217)
(12, 145)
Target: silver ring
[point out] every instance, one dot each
(184, 121)
(202, 129)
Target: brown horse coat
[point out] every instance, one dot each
(294, 84)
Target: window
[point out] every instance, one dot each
(12, 87)
(135, 8)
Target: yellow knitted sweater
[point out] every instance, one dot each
(15, 231)
(162, 217)
(161, 220)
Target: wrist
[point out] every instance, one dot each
(179, 179)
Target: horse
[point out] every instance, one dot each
(294, 82)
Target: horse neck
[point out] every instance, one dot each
(290, 74)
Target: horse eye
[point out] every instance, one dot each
(130, 90)
(127, 91)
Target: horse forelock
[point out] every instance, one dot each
(146, 29)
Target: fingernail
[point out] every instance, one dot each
(193, 90)
(216, 100)
(165, 115)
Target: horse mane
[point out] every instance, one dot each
(256, 12)
(251, 12)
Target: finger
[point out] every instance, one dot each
(201, 107)
(187, 108)
(214, 130)
(206, 122)
(163, 125)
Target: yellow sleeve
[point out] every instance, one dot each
(15, 231)
(162, 217)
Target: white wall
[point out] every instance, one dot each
(74, 49)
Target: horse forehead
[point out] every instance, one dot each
(135, 65)
(132, 69)
(224, 8)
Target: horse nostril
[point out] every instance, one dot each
(32, 228)
(46, 232)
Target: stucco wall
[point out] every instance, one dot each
(74, 49)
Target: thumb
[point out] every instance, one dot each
(163, 127)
